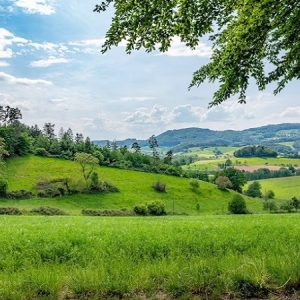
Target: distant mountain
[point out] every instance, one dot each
(183, 139)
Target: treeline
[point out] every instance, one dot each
(255, 151)
(20, 140)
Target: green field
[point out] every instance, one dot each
(284, 188)
(209, 151)
(135, 188)
(207, 257)
(212, 164)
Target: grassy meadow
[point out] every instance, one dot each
(284, 188)
(212, 164)
(207, 257)
(135, 188)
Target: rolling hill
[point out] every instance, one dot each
(135, 188)
(183, 139)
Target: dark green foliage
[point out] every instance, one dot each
(246, 36)
(198, 206)
(41, 152)
(269, 195)
(254, 190)
(19, 195)
(140, 210)
(296, 203)
(265, 173)
(159, 187)
(270, 205)
(48, 211)
(247, 289)
(156, 208)
(10, 211)
(195, 185)
(106, 212)
(94, 181)
(3, 188)
(237, 205)
(287, 206)
(255, 151)
(236, 177)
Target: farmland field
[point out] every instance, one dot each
(135, 188)
(284, 188)
(169, 257)
(212, 164)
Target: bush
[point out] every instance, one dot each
(41, 152)
(156, 208)
(48, 211)
(159, 187)
(3, 188)
(287, 206)
(223, 183)
(194, 185)
(51, 193)
(106, 212)
(237, 205)
(19, 195)
(254, 190)
(10, 211)
(269, 195)
(270, 205)
(94, 181)
(141, 210)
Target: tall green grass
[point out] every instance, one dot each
(98, 258)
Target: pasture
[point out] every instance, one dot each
(209, 257)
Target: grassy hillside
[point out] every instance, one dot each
(135, 188)
(284, 188)
(252, 161)
(207, 257)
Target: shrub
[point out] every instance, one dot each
(223, 183)
(3, 188)
(140, 210)
(41, 152)
(287, 206)
(94, 181)
(10, 211)
(106, 212)
(296, 203)
(159, 187)
(51, 193)
(269, 195)
(19, 195)
(48, 211)
(237, 205)
(254, 190)
(194, 185)
(198, 206)
(270, 205)
(156, 208)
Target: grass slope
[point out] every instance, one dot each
(135, 188)
(284, 188)
(208, 257)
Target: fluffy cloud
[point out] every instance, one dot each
(22, 81)
(137, 98)
(42, 7)
(4, 64)
(178, 48)
(291, 112)
(187, 114)
(44, 63)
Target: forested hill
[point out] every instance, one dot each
(183, 139)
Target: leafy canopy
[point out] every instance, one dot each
(245, 35)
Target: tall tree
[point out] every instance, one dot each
(10, 115)
(136, 147)
(244, 35)
(153, 145)
(49, 130)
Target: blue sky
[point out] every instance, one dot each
(51, 67)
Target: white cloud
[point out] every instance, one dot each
(42, 7)
(137, 98)
(3, 64)
(187, 114)
(44, 63)
(85, 43)
(291, 112)
(22, 81)
(178, 48)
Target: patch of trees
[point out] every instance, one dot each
(255, 151)
(266, 173)
(231, 178)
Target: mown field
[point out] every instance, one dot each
(204, 257)
(284, 188)
(212, 164)
(210, 151)
(135, 188)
